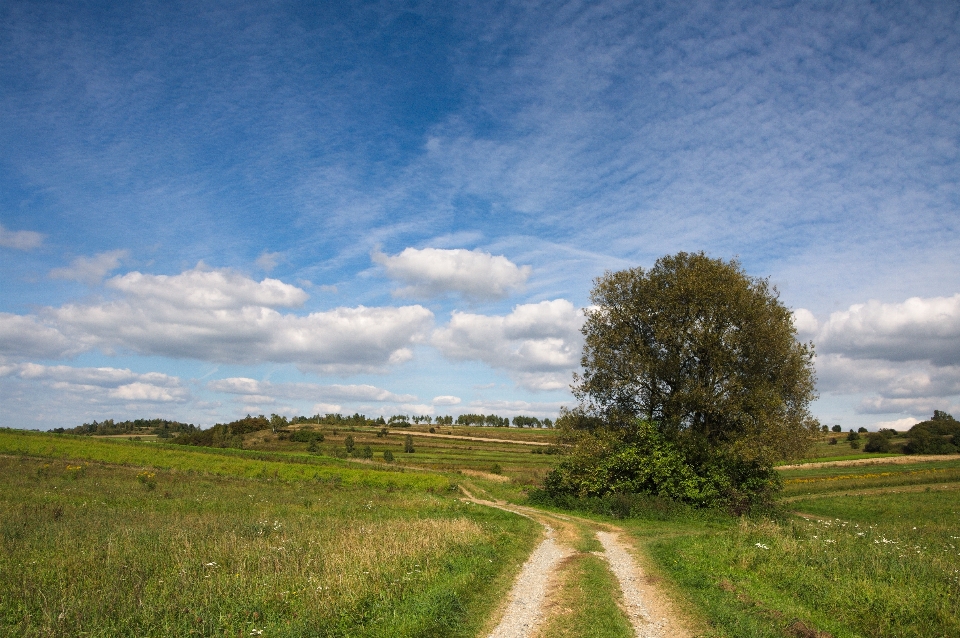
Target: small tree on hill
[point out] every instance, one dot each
(408, 444)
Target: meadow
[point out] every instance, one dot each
(96, 543)
(117, 537)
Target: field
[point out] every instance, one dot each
(96, 543)
(865, 551)
(116, 537)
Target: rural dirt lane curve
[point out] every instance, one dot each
(648, 608)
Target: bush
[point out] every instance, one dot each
(408, 444)
(606, 463)
(877, 442)
(366, 452)
(833, 440)
(837, 428)
(922, 441)
(349, 444)
(862, 430)
(306, 436)
(388, 456)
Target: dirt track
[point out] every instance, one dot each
(648, 608)
(887, 460)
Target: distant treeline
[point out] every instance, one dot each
(160, 427)
(937, 435)
(231, 434)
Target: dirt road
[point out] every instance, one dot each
(526, 609)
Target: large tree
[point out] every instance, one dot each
(696, 356)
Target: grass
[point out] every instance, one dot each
(224, 462)
(880, 559)
(585, 604)
(104, 550)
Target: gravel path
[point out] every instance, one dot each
(524, 610)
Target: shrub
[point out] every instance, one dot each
(922, 441)
(408, 444)
(837, 428)
(148, 480)
(877, 442)
(833, 440)
(496, 469)
(607, 463)
(306, 436)
(366, 452)
(388, 456)
(349, 444)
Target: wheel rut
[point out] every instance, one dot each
(524, 613)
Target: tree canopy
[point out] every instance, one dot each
(696, 357)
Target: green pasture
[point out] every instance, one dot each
(882, 558)
(211, 460)
(101, 549)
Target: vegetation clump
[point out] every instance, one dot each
(938, 435)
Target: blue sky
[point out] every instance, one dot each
(399, 207)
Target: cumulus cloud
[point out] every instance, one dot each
(24, 337)
(917, 329)
(20, 239)
(103, 385)
(223, 316)
(805, 323)
(265, 390)
(90, 270)
(432, 272)
(203, 288)
(900, 358)
(538, 344)
(446, 400)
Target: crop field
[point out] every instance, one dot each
(107, 547)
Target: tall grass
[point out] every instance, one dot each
(87, 549)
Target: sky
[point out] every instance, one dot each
(221, 208)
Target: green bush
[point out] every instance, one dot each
(408, 444)
(877, 442)
(643, 462)
(306, 436)
(349, 444)
(388, 456)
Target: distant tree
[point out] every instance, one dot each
(853, 436)
(388, 456)
(348, 443)
(366, 452)
(837, 428)
(408, 444)
(877, 442)
(277, 422)
(861, 430)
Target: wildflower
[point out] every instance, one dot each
(762, 546)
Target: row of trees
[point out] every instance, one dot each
(160, 427)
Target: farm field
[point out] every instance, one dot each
(115, 546)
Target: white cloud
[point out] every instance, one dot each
(432, 272)
(538, 344)
(20, 239)
(26, 337)
(327, 408)
(896, 424)
(305, 391)
(107, 385)
(446, 400)
(917, 329)
(90, 270)
(805, 323)
(222, 316)
(899, 358)
(267, 260)
(203, 288)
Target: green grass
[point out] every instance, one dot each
(881, 563)
(224, 462)
(586, 603)
(102, 550)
